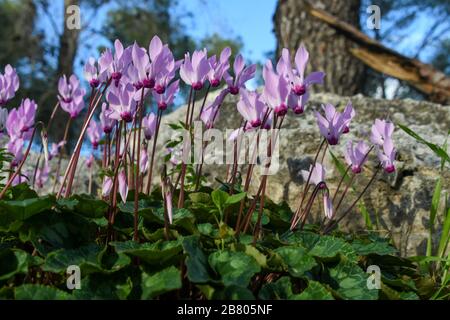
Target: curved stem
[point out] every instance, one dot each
(74, 158)
(333, 223)
(58, 168)
(306, 187)
(152, 159)
(19, 167)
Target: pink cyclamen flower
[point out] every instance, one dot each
(386, 155)
(42, 176)
(20, 121)
(165, 99)
(194, 71)
(218, 67)
(106, 186)
(90, 161)
(242, 74)
(23, 177)
(94, 132)
(355, 156)
(334, 123)
(123, 186)
(328, 205)
(167, 71)
(143, 161)
(167, 196)
(106, 122)
(299, 82)
(71, 95)
(276, 89)
(55, 149)
(3, 120)
(381, 130)
(9, 84)
(298, 103)
(210, 113)
(116, 66)
(251, 107)
(149, 124)
(91, 73)
(15, 146)
(121, 102)
(317, 175)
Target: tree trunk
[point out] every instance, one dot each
(68, 44)
(328, 50)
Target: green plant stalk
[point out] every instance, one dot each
(433, 212)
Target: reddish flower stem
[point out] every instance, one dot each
(11, 179)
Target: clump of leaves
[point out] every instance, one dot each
(199, 258)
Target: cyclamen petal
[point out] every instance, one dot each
(143, 161)
(317, 174)
(356, 156)
(123, 186)
(94, 132)
(107, 186)
(149, 124)
(328, 206)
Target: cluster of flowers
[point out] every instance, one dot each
(127, 76)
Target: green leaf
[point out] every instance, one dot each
(364, 248)
(13, 261)
(219, 198)
(234, 293)
(159, 253)
(200, 197)
(351, 282)
(278, 290)
(297, 260)
(68, 204)
(409, 296)
(235, 198)
(38, 292)
(320, 246)
(85, 257)
(315, 291)
(18, 211)
(441, 153)
(445, 237)
(89, 207)
(161, 282)
(235, 268)
(433, 212)
(196, 261)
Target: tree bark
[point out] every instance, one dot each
(68, 44)
(329, 51)
(423, 77)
